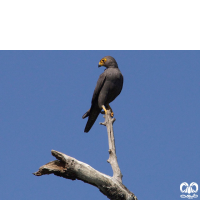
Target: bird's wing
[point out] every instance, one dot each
(98, 87)
(94, 111)
(95, 96)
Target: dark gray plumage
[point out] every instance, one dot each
(109, 86)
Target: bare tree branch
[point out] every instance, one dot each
(111, 142)
(71, 168)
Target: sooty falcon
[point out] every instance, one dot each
(109, 86)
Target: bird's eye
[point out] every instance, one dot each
(103, 60)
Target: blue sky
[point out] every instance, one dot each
(44, 95)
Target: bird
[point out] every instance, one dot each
(108, 87)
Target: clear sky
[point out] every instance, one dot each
(157, 130)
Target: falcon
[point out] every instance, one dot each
(108, 87)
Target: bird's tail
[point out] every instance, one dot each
(93, 114)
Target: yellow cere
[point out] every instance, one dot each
(102, 61)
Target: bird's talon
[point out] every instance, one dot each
(112, 114)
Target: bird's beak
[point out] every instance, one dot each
(100, 64)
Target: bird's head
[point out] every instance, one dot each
(108, 62)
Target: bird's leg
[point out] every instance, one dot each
(112, 113)
(104, 109)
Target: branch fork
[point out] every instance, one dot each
(71, 168)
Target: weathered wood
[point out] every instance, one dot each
(71, 168)
(111, 142)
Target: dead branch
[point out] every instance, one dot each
(111, 142)
(71, 168)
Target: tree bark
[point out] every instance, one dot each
(111, 142)
(71, 168)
